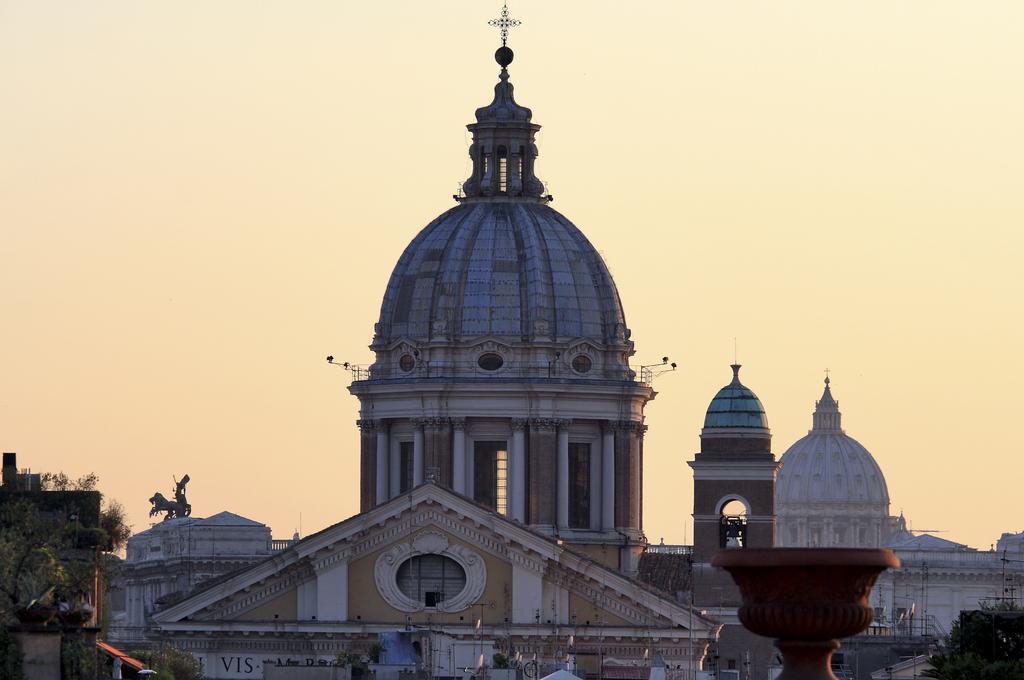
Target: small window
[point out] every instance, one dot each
(407, 363)
(502, 169)
(581, 363)
(490, 361)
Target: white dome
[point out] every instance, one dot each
(829, 490)
(829, 465)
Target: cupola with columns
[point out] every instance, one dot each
(502, 358)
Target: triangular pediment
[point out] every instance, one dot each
(430, 520)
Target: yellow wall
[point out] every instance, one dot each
(586, 610)
(607, 555)
(285, 606)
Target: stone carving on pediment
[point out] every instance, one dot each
(453, 524)
(583, 348)
(430, 542)
(385, 573)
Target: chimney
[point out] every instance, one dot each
(10, 470)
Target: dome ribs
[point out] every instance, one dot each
(505, 269)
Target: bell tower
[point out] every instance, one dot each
(733, 508)
(733, 475)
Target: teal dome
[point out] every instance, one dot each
(736, 405)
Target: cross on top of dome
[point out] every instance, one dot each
(504, 23)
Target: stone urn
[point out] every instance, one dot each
(35, 614)
(805, 598)
(75, 617)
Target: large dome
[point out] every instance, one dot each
(514, 269)
(828, 465)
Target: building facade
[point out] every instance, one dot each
(501, 460)
(502, 354)
(171, 559)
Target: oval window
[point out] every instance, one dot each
(581, 363)
(430, 579)
(490, 361)
(407, 362)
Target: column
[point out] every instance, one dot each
(367, 464)
(636, 473)
(395, 478)
(608, 478)
(417, 455)
(519, 469)
(383, 454)
(459, 455)
(563, 477)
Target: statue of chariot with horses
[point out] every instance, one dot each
(177, 508)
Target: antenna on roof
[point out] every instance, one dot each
(735, 351)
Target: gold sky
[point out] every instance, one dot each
(200, 200)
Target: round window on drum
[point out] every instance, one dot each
(581, 363)
(490, 361)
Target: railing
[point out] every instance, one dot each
(279, 544)
(909, 626)
(936, 558)
(663, 549)
(641, 375)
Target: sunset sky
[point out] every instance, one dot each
(200, 200)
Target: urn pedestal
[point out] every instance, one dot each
(805, 598)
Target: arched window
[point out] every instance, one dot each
(732, 529)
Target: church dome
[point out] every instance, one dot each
(736, 406)
(514, 269)
(830, 466)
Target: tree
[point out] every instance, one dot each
(170, 662)
(987, 644)
(113, 519)
(114, 522)
(31, 545)
(51, 542)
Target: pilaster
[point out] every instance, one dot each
(367, 463)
